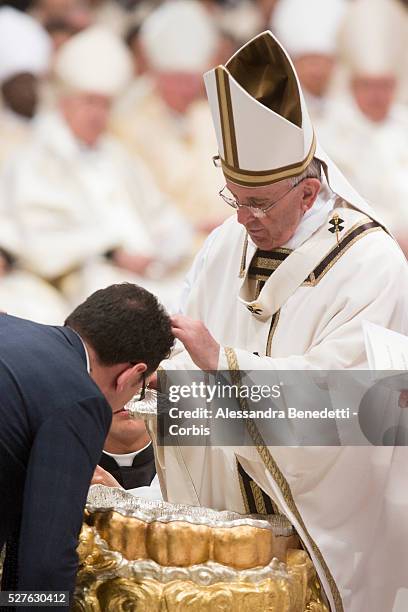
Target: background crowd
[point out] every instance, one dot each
(107, 144)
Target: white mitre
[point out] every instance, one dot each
(94, 61)
(374, 36)
(25, 46)
(308, 27)
(261, 121)
(179, 36)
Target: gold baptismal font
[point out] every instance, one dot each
(139, 555)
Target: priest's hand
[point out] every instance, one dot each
(198, 341)
(103, 477)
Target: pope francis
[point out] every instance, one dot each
(285, 285)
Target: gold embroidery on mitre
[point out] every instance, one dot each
(253, 178)
(262, 69)
(226, 116)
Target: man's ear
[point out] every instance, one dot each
(311, 188)
(130, 377)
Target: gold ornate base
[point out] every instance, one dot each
(158, 557)
(293, 588)
(121, 594)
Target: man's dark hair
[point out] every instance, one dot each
(124, 323)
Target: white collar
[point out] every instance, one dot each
(88, 361)
(126, 459)
(313, 218)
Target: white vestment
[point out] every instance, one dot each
(22, 293)
(373, 156)
(178, 149)
(72, 204)
(14, 132)
(346, 503)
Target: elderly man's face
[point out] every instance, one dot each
(374, 95)
(87, 115)
(280, 223)
(315, 71)
(179, 89)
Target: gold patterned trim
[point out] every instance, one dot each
(281, 250)
(242, 487)
(284, 487)
(262, 69)
(261, 278)
(255, 500)
(274, 324)
(242, 266)
(259, 500)
(268, 264)
(251, 178)
(231, 359)
(226, 116)
(360, 230)
(264, 264)
(281, 481)
(260, 282)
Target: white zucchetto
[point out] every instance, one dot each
(179, 36)
(25, 45)
(95, 61)
(308, 26)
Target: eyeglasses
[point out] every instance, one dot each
(142, 393)
(255, 210)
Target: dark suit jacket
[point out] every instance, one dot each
(53, 424)
(139, 474)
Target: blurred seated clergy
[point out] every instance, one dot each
(366, 130)
(308, 31)
(304, 261)
(22, 293)
(169, 126)
(25, 55)
(89, 215)
(25, 52)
